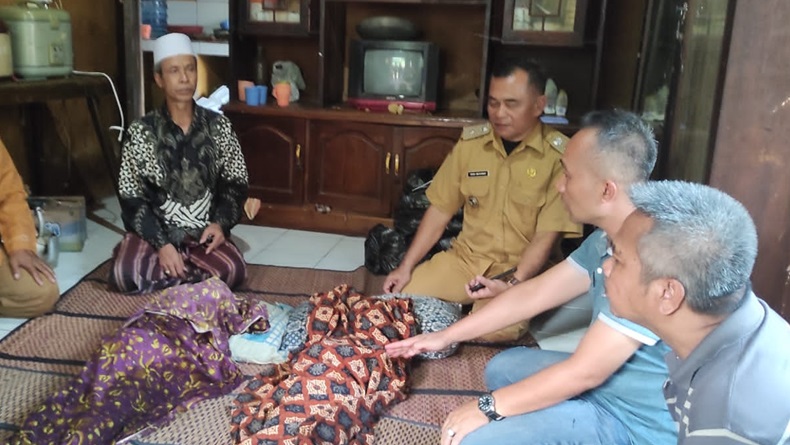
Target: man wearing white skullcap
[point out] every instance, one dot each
(182, 185)
(171, 45)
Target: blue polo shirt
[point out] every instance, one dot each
(734, 387)
(633, 394)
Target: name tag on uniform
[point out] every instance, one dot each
(476, 174)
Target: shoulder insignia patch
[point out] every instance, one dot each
(475, 131)
(557, 140)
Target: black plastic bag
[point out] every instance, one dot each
(384, 249)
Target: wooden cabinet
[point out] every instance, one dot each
(335, 170)
(274, 151)
(278, 17)
(351, 168)
(544, 22)
(352, 165)
(425, 147)
(567, 42)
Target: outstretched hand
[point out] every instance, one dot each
(28, 260)
(490, 289)
(415, 345)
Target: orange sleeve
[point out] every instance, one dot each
(17, 229)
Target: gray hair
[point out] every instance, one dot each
(700, 236)
(627, 149)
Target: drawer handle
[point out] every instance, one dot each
(387, 162)
(299, 156)
(397, 164)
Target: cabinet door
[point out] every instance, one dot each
(544, 22)
(351, 167)
(275, 152)
(278, 17)
(426, 147)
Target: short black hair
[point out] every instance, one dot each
(506, 66)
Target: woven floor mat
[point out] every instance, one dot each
(39, 356)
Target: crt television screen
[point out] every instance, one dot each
(393, 72)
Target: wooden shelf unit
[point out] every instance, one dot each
(319, 164)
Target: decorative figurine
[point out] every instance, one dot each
(562, 103)
(284, 71)
(551, 97)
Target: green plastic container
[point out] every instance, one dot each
(40, 40)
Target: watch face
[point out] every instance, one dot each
(486, 403)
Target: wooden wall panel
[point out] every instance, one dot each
(69, 132)
(752, 155)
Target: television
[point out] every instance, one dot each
(385, 72)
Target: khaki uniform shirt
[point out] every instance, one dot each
(506, 198)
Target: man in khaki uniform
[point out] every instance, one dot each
(503, 173)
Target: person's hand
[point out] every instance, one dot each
(171, 261)
(397, 280)
(212, 237)
(412, 346)
(29, 261)
(462, 421)
(491, 288)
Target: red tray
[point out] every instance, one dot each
(190, 30)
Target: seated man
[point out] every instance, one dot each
(680, 267)
(182, 185)
(608, 391)
(27, 283)
(503, 174)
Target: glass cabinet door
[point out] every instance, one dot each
(544, 22)
(278, 17)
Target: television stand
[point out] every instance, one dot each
(337, 169)
(392, 106)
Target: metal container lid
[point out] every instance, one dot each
(27, 12)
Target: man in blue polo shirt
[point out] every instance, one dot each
(609, 390)
(681, 267)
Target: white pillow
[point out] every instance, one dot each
(263, 347)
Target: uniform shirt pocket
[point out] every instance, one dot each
(475, 190)
(525, 199)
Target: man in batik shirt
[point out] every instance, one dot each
(182, 185)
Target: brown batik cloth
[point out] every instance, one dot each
(336, 387)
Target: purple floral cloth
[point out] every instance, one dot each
(171, 354)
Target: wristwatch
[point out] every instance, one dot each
(486, 405)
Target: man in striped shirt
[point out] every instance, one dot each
(680, 267)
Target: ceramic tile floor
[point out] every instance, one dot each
(260, 245)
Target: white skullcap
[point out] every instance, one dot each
(173, 44)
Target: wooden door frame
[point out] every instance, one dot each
(133, 60)
(751, 157)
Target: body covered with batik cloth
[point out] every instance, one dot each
(337, 386)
